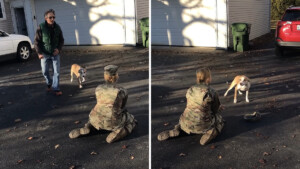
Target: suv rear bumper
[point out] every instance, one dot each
(288, 44)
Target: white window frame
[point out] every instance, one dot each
(3, 10)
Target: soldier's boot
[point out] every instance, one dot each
(80, 131)
(86, 129)
(116, 135)
(74, 133)
(163, 135)
(169, 133)
(208, 136)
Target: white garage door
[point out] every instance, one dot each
(86, 22)
(189, 23)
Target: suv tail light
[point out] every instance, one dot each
(286, 26)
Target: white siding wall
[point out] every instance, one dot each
(142, 12)
(189, 23)
(255, 12)
(6, 25)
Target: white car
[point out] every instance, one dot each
(17, 46)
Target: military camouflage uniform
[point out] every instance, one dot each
(109, 113)
(201, 115)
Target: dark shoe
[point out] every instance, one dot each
(58, 93)
(252, 117)
(49, 88)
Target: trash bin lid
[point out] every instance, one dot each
(239, 27)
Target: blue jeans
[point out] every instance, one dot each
(45, 64)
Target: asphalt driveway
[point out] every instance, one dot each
(272, 142)
(34, 124)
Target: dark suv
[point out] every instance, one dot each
(288, 31)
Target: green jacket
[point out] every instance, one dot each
(202, 105)
(47, 42)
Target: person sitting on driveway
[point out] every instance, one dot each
(109, 113)
(202, 113)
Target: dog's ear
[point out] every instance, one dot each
(247, 79)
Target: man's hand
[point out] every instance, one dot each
(56, 52)
(41, 56)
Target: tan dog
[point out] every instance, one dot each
(80, 73)
(241, 83)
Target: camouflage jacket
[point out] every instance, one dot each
(109, 113)
(202, 105)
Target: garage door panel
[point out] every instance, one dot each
(87, 21)
(186, 23)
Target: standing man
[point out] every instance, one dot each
(48, 43)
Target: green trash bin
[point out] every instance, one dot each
(144, 25)
(240, 33)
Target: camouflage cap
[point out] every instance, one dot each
(111, 69)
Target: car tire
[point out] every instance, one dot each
(279, 51)
(23, 52)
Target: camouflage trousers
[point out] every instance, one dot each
(207, 134)
(121, 132)
(116, 134)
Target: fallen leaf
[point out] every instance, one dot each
(220, 157)
(212, 147)
(131, 157)
(124, 147)
(72, 167)
(266, 154)
(258, 134)
(262, 161)
(77, 122)
(182, 154)
(18, 120)
(166, 123)
(93, 153)
(56, 146)
(20, 161)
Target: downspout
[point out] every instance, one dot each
(228, 24)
